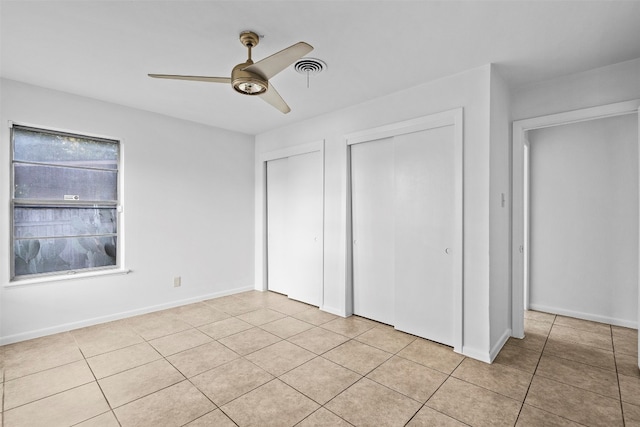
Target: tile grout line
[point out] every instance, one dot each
(539, 359)
(615, 361)
(244, 358)
(559, 356)
(228, 348)
(546, 339)
(57, 393)
(97, 383)
(316, 356)
(259, 367)
(217, 407)
(43, 370)
(396, 354)
(436, 390)
(323, 406)
(162, 357)
(326, 409)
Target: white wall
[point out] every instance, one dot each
(469, 90)
(601, 86)
(584, 220)
(500, 214)
(188, 200)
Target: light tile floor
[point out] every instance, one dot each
(261, 359)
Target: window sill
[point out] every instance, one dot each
(68, 276)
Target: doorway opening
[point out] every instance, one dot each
(524, 195)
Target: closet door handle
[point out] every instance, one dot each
(447, 251)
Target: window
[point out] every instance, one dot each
(65, 202)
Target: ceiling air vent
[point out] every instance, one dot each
(309, 67)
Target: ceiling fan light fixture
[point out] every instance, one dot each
(250, 87)
(246, 82)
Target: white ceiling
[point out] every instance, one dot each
(104, 49)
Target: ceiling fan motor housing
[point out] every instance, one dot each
(246, 82)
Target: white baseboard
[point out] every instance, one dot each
(499, 344)
(23, 336)
(483, 356)
(586, 316)
(332, 310)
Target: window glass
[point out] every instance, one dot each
(65, 202)
(34, 256)
(35, 181)
(42, 222)
(38, 146)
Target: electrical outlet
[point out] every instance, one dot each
(177, 282)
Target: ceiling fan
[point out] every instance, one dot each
(249, 78)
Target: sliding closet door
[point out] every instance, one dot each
(372, 181)
(403, 229)
(305, 191)
(294, 226)
(278, 277)
(424, 233)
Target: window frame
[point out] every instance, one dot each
(118, 267)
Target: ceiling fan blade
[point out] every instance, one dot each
(271, 96)
(272, 65)
(194, 78)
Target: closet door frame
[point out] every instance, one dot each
(521, 198)
(262, 230)
(453, 118)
